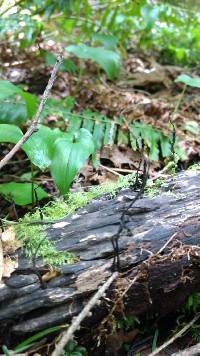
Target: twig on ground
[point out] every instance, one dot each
(36, 120)
(68, 335)
(176, 336)
(110, 170)
(167, 243)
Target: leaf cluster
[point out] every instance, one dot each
(169, 29)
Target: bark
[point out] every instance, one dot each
(164, 280)
(191, 351)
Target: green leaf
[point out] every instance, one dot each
(21, 193)
(108, 60)
(70, 154)
(39, 147)
(186, 79)
(31, 103)
(6, 351)
(165, 145)
(193, 127)
(24, 345)
(10, 133)
(150, 14)
(8, 89)
(108, 41)
(67, 65)
(13, 112)
(98, 134)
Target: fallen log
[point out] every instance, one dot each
(190, 351)
(159, 249)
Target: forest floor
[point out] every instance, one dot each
(145, 91)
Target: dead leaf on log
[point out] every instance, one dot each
(10, 244)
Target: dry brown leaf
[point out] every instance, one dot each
(9, 242)
(10, 266)
(120, 158)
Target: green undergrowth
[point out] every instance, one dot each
(35, 241)
(194, 167)
(153, 187)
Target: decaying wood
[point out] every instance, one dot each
(164, 281)
(191, 351)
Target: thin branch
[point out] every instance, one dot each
(68, 335)
(110, 170)
(167, 243)
(33, 127)
(176, 336)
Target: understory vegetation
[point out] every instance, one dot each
(124, 78)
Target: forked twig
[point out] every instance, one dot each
(34, 123)
(68, 335)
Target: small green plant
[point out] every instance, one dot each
(195, 330)
(30, 341)
(187, 80)
(73, 349)
(193, 303)
(153, 187)
(63, 153)
(108, 60)
(128, 322)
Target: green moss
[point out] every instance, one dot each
(153, 187)
(194, 167)
(34, 238)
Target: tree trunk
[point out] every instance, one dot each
(164, 280)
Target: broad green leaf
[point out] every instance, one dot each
(8, 89)
(13, 112)
(31, 103)
(21, 193)
(10, 133)
(186, 79)
(39, 147)
(108, 41)
(108, 60)
(70, 154)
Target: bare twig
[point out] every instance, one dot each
(33, 127)
(68, 335)
(110, 170)
(167, 243)
(176, 336)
